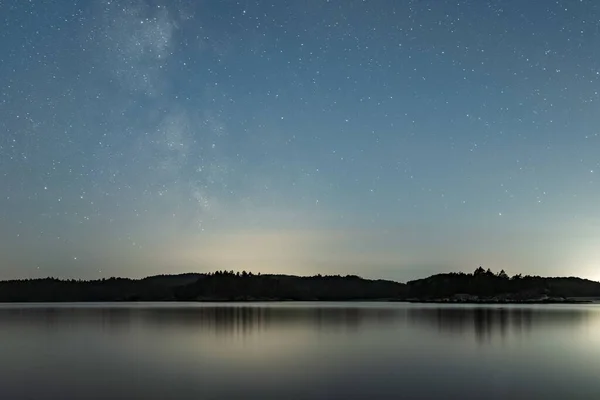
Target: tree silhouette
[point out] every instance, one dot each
(229, 286)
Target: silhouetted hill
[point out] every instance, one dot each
(222, 286)
(480, 286)
(154, 288)
(485, 285)
(229, 286)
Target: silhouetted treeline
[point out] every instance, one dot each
(154, 288)
(225, 285)
(481, 285)
(486, 284)
(221, 286)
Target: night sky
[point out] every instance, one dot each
(388, 139)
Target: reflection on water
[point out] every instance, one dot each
(220, 319)
(487, 322)
(298, 350)
(484, 322)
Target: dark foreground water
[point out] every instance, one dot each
(298, 351)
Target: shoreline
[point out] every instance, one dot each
(499, 302)
(383, 300)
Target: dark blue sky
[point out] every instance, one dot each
(389, 139)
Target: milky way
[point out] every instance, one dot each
(388, 139)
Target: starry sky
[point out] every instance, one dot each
(388, 139)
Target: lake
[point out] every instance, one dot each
(298, 351)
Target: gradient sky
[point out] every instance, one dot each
(389, 139)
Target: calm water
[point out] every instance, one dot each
(298, 351)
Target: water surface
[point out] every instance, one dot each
(298, 351)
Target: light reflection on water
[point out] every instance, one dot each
(298, 350)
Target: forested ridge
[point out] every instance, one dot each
(481, 285)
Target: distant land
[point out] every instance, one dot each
(481, 286)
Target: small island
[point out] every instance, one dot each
(481, 286)
(486, 287)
